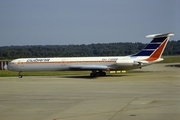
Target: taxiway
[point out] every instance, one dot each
(151, 95)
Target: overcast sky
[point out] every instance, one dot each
(61, 22)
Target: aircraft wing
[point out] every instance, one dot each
(90, 67)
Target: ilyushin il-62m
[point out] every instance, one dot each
(98, 65)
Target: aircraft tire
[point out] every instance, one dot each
(103, 74)
(20, 76)
(93, 75)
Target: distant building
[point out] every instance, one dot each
(2, 63)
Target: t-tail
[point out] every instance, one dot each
(153, 51)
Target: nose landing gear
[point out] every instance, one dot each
(19, 75)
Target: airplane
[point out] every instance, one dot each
(98, 65)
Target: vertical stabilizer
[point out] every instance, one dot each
(156, 47)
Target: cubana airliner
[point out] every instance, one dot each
(98, 65)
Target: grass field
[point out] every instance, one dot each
(171, 59)
(6, 73)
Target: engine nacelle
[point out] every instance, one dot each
(124, 62)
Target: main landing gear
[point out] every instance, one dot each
(95, 73)
(19, 75)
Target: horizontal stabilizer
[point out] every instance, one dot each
(159, 35)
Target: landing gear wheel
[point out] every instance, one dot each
(93, 75)
(100, 73)
(103, 74)
(19, 75)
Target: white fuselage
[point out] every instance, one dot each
(75, 63)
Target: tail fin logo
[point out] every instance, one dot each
(158, 52)
(156, 47)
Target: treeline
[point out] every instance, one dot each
(104, 49)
